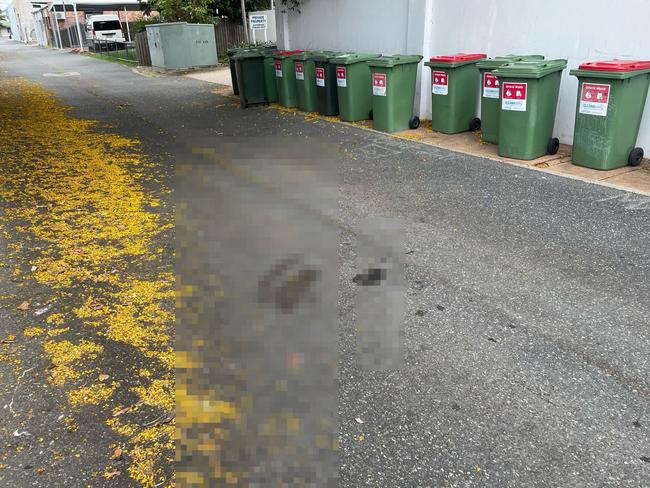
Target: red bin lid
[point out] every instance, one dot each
(458, 57)
(289, 53)
(617, 65)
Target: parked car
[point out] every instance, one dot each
(104, 28)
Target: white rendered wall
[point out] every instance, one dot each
(19, 14)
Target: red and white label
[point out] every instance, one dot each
(320, 76)
(594, 99)
(300, 71)
(278, 68)
(439, 83)
(513, 96)
(341, 79)
(379, 84)
(490, 86)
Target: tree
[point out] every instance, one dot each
(292, 4)
(195, 11)
(231, 9)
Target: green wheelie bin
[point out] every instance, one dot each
(393, 90)
(249, 66)
(326, 90)
(231, 61)
(454, 88)
(285, 78)
(233, 70)
(270, 86)
(529, 94)
(490, 93)
(305, 68)
(611, 97)
(353, 83)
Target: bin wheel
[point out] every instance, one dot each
(475, 124)
(370, 115)
(635, 156)
(553, 146)
(414, 123)
(243, 104)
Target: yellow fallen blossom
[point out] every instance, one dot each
(91, 395)
(33, 331)
(64, 355)
(55, 318)
(77, 189)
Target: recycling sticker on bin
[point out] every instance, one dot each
(341, 79)
(513, 96)
(300, 73)
(490, 85)
(320, 76)
(594, 99)
(379, 84)
(439, 83)
(278, 68)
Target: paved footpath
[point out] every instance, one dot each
(525, 341)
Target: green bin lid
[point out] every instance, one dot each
(325, 56)
(530, 69)
(495, 62)
(353, 58)
(306, 55)
(390, 61)
(250, 53)
(317, 55)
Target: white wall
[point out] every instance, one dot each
(341, 25)
(19, 14)
(258, 35)
(375, 26)
(577, 30)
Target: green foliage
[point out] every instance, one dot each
(292, 4)
(253, 44)
(231, 9)
(140, 24)
(194, 11)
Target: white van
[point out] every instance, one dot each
(104, 28)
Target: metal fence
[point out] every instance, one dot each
(70, 37)
(142, 49)
(228, 34)
(123, 51)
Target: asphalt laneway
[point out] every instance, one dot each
(526, 337)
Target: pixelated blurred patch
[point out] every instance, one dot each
(371, 277)
(287, 283)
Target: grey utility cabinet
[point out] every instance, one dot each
(179, 45)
